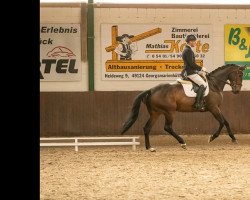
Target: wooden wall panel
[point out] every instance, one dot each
(102, 113)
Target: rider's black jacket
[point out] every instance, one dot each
(189, 61)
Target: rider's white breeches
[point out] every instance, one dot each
(197, 79)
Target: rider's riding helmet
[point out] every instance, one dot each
(190, 38)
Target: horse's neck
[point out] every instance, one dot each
(219, 79)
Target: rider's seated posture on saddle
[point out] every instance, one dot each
(193, 71)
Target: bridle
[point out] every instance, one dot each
(234, 83)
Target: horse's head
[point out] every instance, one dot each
(235, 78)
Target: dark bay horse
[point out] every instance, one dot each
(166, 99)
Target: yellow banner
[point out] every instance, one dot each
(237, 42)
(146, 65)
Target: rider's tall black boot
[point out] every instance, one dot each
(198, 105)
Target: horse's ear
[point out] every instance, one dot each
(243, 67)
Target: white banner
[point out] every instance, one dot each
(150, 51)
(60, 52)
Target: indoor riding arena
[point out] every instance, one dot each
(117, 122)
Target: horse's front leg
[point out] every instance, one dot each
(219, 117)
(230, 133)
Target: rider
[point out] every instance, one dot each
(192, 71)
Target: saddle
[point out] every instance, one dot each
(190, 87)
(186, 80)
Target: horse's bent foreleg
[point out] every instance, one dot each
(169, 129)
(147, 128)
(219, 117)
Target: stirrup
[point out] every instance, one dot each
(199, 107)
(202, 108)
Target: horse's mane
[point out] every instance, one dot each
(222, 67)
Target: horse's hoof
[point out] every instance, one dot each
(235, 141)
(152, 149)
(210, 139)
(184, 146)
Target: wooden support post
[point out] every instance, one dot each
(133, 146)
(76, 144)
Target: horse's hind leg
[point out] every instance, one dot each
(147, 128)
(169, 129)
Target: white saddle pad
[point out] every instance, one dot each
(188, 88)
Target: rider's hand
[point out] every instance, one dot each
(202, 73)
(204, 69)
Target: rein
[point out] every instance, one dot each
(233, 84)
(226, 82)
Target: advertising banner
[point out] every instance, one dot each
(150, 51)
(237, 46)
(60, 52)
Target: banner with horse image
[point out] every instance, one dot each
(237, 46)
(150, 51)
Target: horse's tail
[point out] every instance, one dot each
(135, 111)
